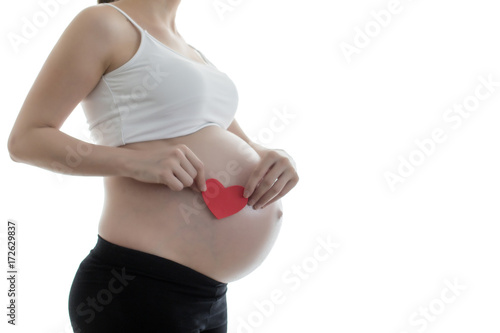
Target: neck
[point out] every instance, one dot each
(160, 13)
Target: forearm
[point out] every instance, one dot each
(51, 149)
(236, 129)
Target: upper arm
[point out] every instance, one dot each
(72, 69)
(235, 128)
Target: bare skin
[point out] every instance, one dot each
(152, 189)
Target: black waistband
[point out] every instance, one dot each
(154, 266)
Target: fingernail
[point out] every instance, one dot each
(245, 194)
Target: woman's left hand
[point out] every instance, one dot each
(273, 177)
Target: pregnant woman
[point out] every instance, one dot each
(161, 117)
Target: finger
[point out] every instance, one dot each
(195, 188)
(257, 175)
(284, 184)
(289, 174)
(199, 168)
(274, 191)
(173, 183)
(288, 186)
(191, 171)
(265, 185)
(183, 176)
(188, 167)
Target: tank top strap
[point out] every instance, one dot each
(201, 54)
(125, 14)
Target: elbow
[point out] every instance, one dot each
(13, 147)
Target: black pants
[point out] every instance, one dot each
(118, 289)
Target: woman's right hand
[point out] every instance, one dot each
(175, 166)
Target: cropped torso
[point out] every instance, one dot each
(177, 225)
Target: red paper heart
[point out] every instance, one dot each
(222, 201)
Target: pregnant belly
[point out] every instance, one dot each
(178, 225)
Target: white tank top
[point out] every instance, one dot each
(158, 94)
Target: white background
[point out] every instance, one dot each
(352, 122)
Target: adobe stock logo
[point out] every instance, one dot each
(363, 37)
(292, 278)
(281, 119)
(223, 6)
(454, 118)
(32, 26)
(104, 296)
(423, 318)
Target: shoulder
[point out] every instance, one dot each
(100, 20)
(91, 38)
